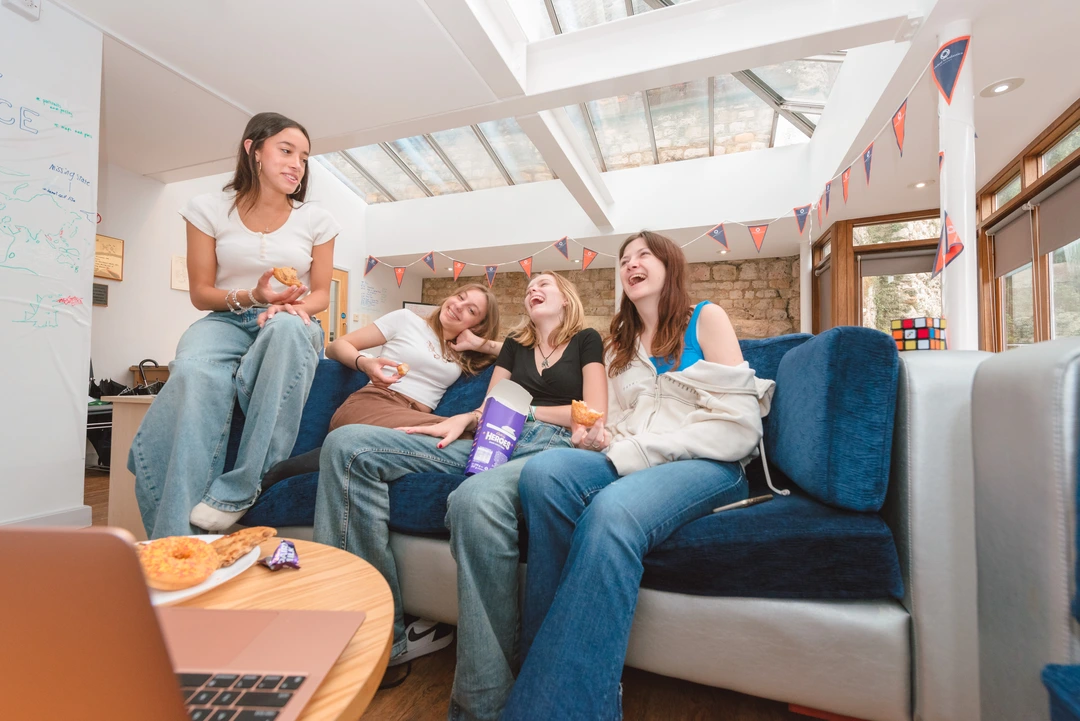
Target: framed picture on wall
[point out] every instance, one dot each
(109, 258)
(421, 309)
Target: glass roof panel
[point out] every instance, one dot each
(517, 153)
(579, 14)
(621, 131)
(680, 116)
(470, 157)
(788, 134)
(580, 123)
(375, 161)
(533, 18)
(344, 170)
(808, 81)
(742, 120)
(427, 165)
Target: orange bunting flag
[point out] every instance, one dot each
(490, 270)
(430, 260)
(949, 246)
(587, 256)
(820, 202)
(400, 273)
(458, 267)
(898, 121)
(526, 265)
(844, 178)
(757, 232)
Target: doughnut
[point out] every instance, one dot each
(287, 276)
(235, 546)
(583, 415)
(402, 369)
(177, 562)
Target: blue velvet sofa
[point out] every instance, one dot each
(854, 595)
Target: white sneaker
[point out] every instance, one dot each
(423, 637)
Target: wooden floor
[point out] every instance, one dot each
(425, 694)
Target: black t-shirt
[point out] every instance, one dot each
(561, 383)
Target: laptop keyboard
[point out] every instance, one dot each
(236, 697)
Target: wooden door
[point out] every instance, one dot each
(334, 319)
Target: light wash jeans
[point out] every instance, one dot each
(178, 454)
(352, 512)
(589, 530)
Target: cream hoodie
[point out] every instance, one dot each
(708, 411)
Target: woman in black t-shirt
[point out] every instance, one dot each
(553, 356)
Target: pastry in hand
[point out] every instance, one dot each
(233, 547)
(286, 276)
(583, 415)
(402, 369)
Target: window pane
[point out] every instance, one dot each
(427, 165)
(886, 298)
(516, 151)
(581, 126)
(1062, 149)
(1019, 311)
(470, 157)
(826, 250)
(929, 229)
(375, 160)
(807, 81)
(621, 131)
(533, 18)
(351, 176)
(1065, 287)
(788, 134)
(742, 120)
(578, 14)
(680, 115)
(1007, 193)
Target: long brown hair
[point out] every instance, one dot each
(245, 181)
(572, 322)
(673, 312)
(471, 362)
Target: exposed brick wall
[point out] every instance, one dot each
(761, 296)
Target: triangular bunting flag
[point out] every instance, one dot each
(718, 235)
(561, 245)
(757, 232)
(400, 273)
(898, 121)
(458, 267)
(430, 260)
(949, 246)
(820, 202)
(491, 270)
(844, 178)
(587, 256)
(828, 190)
(867, 159)
(526, 265)
(801, 214)
(371, 263)
(940, 160)
(948, 63)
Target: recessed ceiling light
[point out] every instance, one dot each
(450, 269)
(919, 185)
(577, 261)
(1001, 87)
(722, 252)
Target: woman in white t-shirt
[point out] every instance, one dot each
(257, 346)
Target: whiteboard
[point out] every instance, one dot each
(50, 87)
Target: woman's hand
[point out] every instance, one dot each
(277, 308)
(372, 368)
(466, 341)
(263, 293)
(449, 430)
(596, 438)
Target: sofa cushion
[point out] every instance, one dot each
(831, 424)
(290, 502)
(466, 394)
(764, 354)
(1063, 683)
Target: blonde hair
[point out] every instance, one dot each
(471, 362)
(573, 320)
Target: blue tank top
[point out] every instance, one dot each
(691, 353)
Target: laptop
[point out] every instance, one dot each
(81, 641)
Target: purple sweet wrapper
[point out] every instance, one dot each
(284, 556)
(495, 438)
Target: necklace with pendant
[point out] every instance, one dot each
(544, 363)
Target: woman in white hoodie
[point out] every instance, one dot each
(684, 410)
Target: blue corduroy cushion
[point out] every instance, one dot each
(764, 354)
(831, 424)
(290, 502)
(1063, 683)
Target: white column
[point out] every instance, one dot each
(618, 288)
(956, 130)
(806, 288)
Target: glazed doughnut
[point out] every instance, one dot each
(583, 415)
(287, 276)
(177, 562)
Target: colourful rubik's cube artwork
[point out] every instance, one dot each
(919, 333)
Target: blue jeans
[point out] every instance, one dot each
(352, 512)
(178, 453)
(589, 530)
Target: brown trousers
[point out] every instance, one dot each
(375, 406)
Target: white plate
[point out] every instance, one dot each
(218, 577)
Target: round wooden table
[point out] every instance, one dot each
(328, 580)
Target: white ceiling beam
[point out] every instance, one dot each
(554, 136)
(490, 37)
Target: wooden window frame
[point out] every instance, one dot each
(817, 256)
(871, 250)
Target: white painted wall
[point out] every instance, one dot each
(145, 317)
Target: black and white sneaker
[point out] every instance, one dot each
(423, 637)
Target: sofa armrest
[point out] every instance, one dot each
(1025, 408)
(930, 508)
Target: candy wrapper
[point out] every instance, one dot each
(284, 557)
